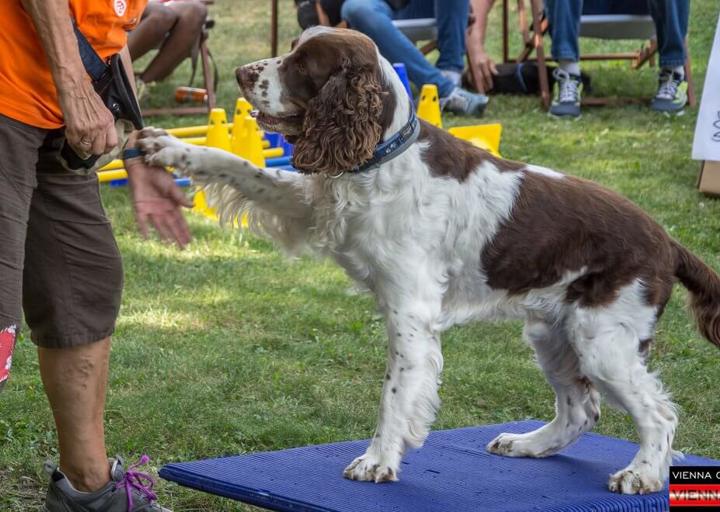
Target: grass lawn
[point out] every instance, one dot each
(227, 347)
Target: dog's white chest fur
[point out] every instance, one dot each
(398, 224)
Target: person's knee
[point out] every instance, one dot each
(355, 12)
(162, 19)
(195, 12)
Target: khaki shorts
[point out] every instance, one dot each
(59, 262)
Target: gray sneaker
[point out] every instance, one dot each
(463, 102)
(671, 95)
(567, 95)
(128, 491)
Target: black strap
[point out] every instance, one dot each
(94, 65)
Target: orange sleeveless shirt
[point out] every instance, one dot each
(27, 90)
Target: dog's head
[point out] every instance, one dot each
(330, 96)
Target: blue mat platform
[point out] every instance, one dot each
(451, 473)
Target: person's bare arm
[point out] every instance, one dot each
(156, 197)
(484, 67)
(89, 126)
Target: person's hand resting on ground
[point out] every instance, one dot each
(483, 67)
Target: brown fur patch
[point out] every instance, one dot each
(561, 225)
(337, 77)
(448, 156)
(704, 286)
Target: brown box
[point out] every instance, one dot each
(709, 179)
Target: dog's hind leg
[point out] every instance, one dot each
(577, 403)
(610, 345)
(410, 392)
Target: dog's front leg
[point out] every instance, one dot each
(279, 192)
(410, 393)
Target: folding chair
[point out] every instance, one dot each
(209, 78)
(610, 26)
(420, 29)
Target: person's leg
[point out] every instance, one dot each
(452, 20)
(671, 23)
(156, 22)
(451, 17)
(564, 20)
(19, 144)
(190, 17)
(71, 296)
(374, 18)
(75, 379)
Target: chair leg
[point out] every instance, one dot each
(692, 99)
(646, 54)
(274, 28)
(207, 75)
(540, 52)
(505, 14)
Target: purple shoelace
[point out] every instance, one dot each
(137, 481)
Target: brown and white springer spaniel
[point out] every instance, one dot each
(445, 233)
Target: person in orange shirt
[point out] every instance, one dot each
(59, 262)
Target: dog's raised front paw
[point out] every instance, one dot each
(165, 151)
(634, 481)
(370, 468)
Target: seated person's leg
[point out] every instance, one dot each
(156, 22)
(374, 18)
(451, 17)
(452, 20)
(671, 24)
(184, 34)
(564, 19)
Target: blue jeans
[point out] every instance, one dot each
(374, 18)
(670, 16)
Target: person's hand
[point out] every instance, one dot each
(158, 200)
(89, 125)
(483, 67)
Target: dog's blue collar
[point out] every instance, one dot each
(394, 146)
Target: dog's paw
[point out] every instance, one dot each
(521, 445)
(634, 481)
(370, 468)
(151, 131)
(165, 151)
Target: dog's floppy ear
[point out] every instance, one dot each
(342, 123)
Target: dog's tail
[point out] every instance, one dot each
(704, 286)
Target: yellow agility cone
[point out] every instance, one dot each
(242, 108)
(485, 136)
(200, 206)
(217, 135)
(246, 139)
(429, 105)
